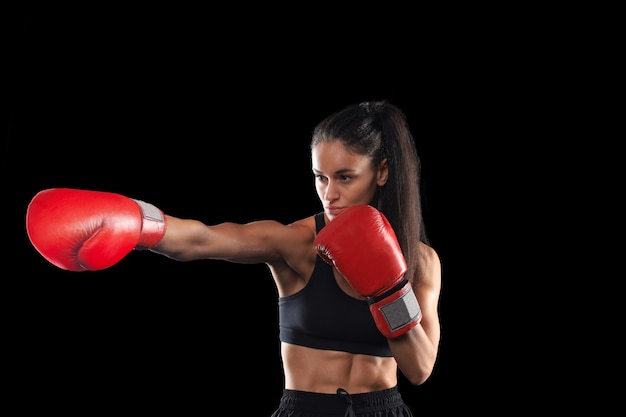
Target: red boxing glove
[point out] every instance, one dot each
(362, 245)
(81, 230)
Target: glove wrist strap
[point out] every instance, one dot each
(153, 225)
(393, 290)
(397, 311)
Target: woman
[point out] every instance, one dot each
(341, 354)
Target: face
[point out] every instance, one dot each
(344, 178)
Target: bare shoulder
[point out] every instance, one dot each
(307, 223)
(271, 241)
(299, 234)
(430, 266)
(428, 255)
(296, 262)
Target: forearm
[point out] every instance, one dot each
(184, 240)
(415, 354)
(188, 240)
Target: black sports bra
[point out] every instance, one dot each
(322, 316)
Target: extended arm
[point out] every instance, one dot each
(82, 230)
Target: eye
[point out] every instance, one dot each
(319, 177)
(345, 178)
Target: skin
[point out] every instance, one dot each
(342, 179)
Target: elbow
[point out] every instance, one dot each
(418, 378)
(418, 373)
(418, 370)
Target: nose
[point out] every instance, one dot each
(331, 193)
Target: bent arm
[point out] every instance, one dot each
(416, 351)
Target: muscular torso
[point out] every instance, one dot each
(324, 371)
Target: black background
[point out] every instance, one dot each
(209, 116)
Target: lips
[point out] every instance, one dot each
(334, 211)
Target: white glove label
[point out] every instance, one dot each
(402, 311)
(150, 211)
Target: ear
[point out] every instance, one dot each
(383, 173)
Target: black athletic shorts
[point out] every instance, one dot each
(385, 403)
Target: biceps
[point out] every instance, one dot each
(241, 243)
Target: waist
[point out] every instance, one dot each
(323, 371)
(331, 403)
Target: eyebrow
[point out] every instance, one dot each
(338, 172)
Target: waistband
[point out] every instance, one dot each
(331, 403)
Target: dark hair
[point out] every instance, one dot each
(379, 130)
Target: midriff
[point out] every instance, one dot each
(324, 371)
